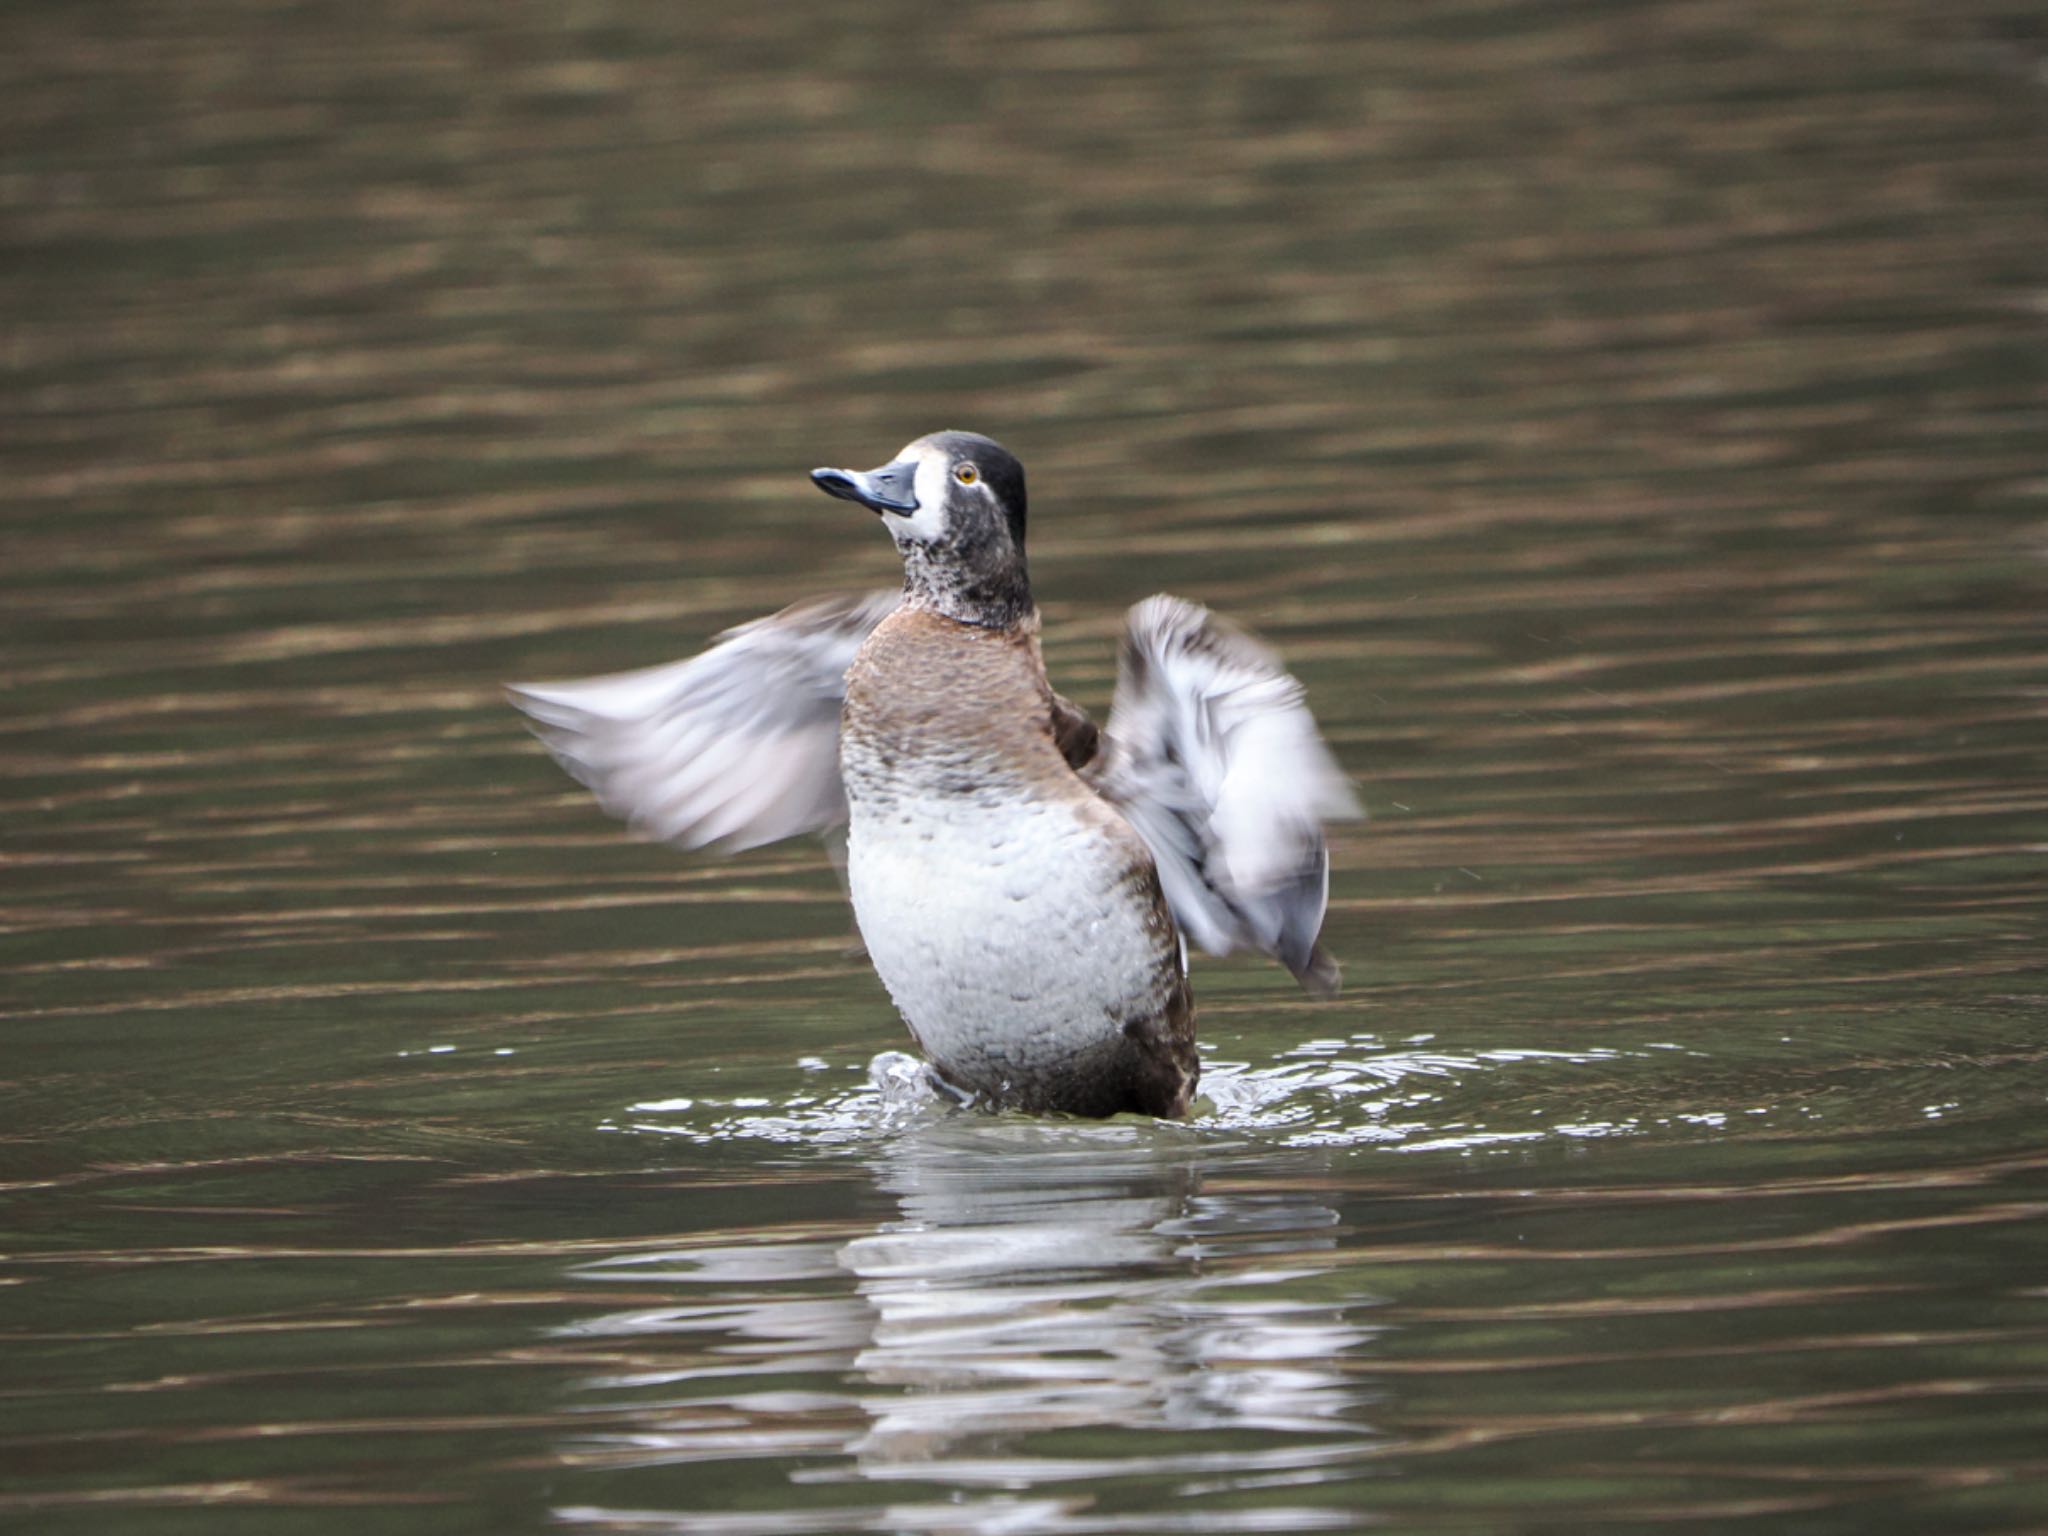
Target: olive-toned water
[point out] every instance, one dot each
(1630, 420)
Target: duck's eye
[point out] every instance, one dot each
(966, 474)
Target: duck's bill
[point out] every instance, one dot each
(892, 488)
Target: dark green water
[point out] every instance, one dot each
(1631, 421)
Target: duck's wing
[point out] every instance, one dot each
(1214, 758)
(728, 750)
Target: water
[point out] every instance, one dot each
(1628, 420)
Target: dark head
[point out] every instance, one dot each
(954, 504)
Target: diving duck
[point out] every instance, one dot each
(1021, 879)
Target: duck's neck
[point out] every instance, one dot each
(986, 587)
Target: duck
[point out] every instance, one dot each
(1024, 881)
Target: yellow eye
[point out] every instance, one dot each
(966, 474)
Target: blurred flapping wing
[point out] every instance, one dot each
(728, 750)
(1215, 760)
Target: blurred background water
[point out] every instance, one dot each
(1629, 420)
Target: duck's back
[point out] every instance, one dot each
(1014, 916)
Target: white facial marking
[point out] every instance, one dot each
(930, 521)
(933, 484)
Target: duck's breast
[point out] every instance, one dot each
(1013, 915)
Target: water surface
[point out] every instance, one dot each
(1628, 421)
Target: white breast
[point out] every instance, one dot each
(1004, 924)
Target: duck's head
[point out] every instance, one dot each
(954, 504)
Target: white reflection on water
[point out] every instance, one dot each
(1048, 1297)
(1047, 1277)
(967, 1517)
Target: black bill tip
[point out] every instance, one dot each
(837, 482)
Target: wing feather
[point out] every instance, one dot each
(1215, 759)
(728, 750)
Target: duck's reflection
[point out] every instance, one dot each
(1053, 1276)
(1038, 1278)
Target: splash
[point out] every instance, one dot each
(1352, 1092)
